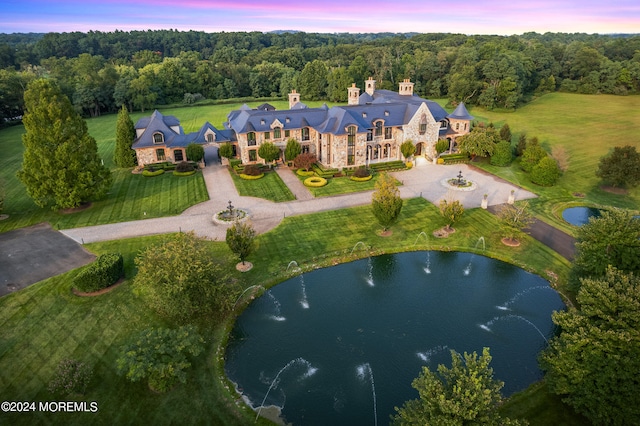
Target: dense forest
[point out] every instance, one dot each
(100, 71)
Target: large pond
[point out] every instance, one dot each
(341, 345)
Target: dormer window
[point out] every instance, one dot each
(364, 115)
(288, 120)
(211, 137)
(262, 122)
(158, 138)
(444, 124)
(386, 113)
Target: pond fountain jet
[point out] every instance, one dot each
(467, 270)
(293, 262)
(370, 277)
(310, 371)
(304, 302)
(422, 234)
(277, 316)
(364, 370)
(357, 244)
(426, 356)
(487, 326)
(506, 306)
(245, 290)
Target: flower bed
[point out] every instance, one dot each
(315, 182)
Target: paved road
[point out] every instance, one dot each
(423, 181)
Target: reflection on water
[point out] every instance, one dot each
(389, 314)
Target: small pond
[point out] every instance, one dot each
(578, 216)
(341, 345)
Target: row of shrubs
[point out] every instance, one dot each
(184, 168)
(453, 158)
(105, 271)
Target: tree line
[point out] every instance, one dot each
(101, 71)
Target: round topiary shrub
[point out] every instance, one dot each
(104, 272)
(361, 172)
(315, 182)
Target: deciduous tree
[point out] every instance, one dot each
(179, 279)
(612, 239)
(305, 160)
(123, 155)
(226, 150)
(594, 362)
(514, 218)
(269, 152)
(481, 141)
(407, 149)
(292, 150)
(61, 167)
(195, 152)
(466, 393)
(546, 172)
(161, 356)
(451, 211)
(621, 167)
(240, 239)
(386, 202)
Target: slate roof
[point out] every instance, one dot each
(460, 113)
(396, 110)
(158, 123)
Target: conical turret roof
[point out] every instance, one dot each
(460, 113)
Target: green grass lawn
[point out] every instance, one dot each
(60, 325)
(269, 187)
(342, 185)
(587, 127)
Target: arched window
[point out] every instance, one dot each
(277, 132)
(210, 137)
(158, 138)
(351, 145)
(379, 128)
(423, 124)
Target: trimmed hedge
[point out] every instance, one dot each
(388, 165)
(303, 173)
(105, 271)
(177, 173)
(361, 179)
(315, 182)
(149, 173)
(453, 158)
(251, 177)
(325, 173)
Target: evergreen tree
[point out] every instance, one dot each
(407, 149)
(505, 133)
(269, 152)
(61, 167)
(620, 168)
(292, 150)
(226, 150)
(123, 155)
(195, 152)
(386, 201)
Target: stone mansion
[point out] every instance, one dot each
(369, 129)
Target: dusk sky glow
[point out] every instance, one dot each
(503, 17)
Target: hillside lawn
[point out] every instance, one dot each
(60, 325)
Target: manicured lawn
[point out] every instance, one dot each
(587, 127)
(58, 324)
(132, 197)
(269, 187)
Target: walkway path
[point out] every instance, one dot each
(295, 185)
(423, 181)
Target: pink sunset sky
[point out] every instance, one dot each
(504, 17)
